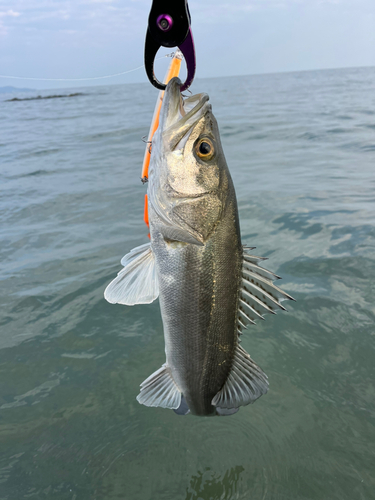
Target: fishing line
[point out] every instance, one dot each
(81, 79)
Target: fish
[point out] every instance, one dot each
(210, 286)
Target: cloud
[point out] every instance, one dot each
(98, 19)
(4, 14)
(9, 13)
(99, 1)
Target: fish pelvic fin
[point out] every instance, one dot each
(159, 389)
(137, 282)
(258, 294)
(246, 382)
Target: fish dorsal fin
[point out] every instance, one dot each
(137, 282)
(246, 382)
(159, 389)
(258, 294)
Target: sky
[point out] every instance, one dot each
(92, 38)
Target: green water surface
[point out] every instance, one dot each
(301, 149)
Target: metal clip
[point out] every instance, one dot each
(169, 26)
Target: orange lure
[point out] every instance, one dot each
(173, 70)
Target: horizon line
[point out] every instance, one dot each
(203, 78)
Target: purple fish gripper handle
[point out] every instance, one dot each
(187, 48)
(162, 32)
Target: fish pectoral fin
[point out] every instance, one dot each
(159, 389)
(246, 382)
(137, 282)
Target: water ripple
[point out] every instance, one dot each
(299, 147)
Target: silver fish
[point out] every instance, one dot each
(210, 287)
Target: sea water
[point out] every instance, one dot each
(301, 151)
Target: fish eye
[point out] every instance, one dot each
(205, 148)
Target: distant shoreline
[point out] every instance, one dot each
(9, 89)
(39, 97)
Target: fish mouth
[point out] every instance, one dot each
(177, 119)
(179, 115)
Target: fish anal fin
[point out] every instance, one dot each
(246, 382)
(159, 389)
